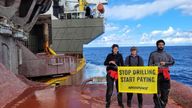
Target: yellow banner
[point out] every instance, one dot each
(138, 79)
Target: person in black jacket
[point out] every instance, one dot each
(112, 61)
(134, 60)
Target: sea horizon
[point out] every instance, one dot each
(137, 46)
(180, 71)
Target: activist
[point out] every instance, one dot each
(134, 60)
(163, 60)
(113, 60)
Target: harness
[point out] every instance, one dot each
(138, 61)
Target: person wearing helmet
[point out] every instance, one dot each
(163, 60)
(134, 60)
(112, 61)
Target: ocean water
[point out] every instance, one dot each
(181, 71)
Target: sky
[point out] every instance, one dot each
(143, 22)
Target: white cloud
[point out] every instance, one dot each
(124, 37)
(171, 36)
(170, 31)
(114, 34)
(119, 36)
(110, 27)
(138, 25)
(146, 39)
(165, 33)
(155, 32)
(139, 11)
(180, 40)
(186, 8)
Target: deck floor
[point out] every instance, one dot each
(93, 96)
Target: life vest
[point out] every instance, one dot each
(113, 74)
(165, 72)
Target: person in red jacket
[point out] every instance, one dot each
(112, 61)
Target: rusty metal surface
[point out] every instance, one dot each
(44, 65)
(181, 93)
(73, 97)
(10, 86)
